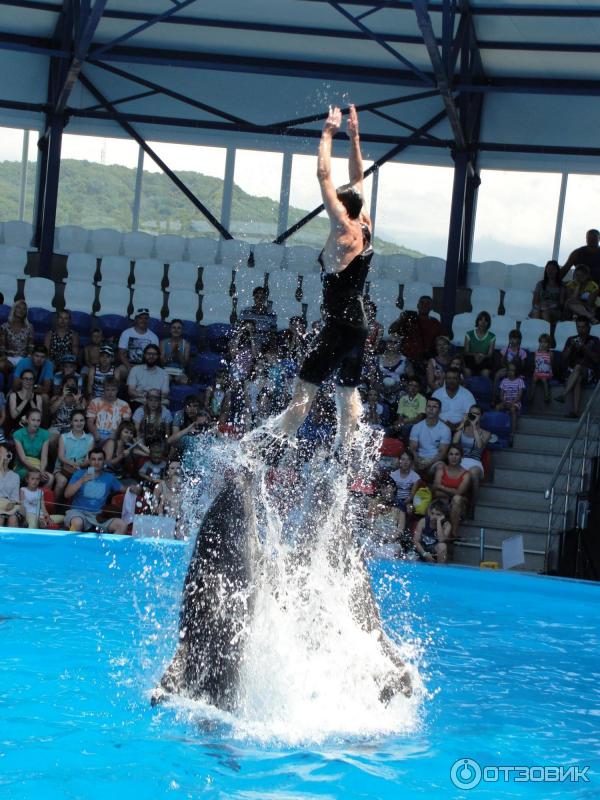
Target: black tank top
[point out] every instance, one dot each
(342, 291)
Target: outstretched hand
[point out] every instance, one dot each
(334, 120)
(352, 121)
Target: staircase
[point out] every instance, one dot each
(513, 501)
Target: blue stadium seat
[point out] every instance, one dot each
(482, 388)
(178, 394)
(113, 325)
(81, 322)
(41, 319)
(498, 423)
(206, 365)
(4, 312)
(218, 334)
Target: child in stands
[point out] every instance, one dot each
(432, 533)
(513, 353)
(543, 371)
(32, 502)
(511, 393)
(407, 481)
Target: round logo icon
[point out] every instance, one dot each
(465, 773)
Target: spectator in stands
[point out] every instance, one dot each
(407, 481)
(105, 414)
(543, 369)
(581, 360)
(10, 510)
(549, 295)
(62, 407)
(168, 496)
(439, 363)
(68, 369)
(146, 376)
(451, 484)
(188, 424)
(16, 337)
(215, 394)
(154, 468)
(32, 502)
(582, 293)
(513, 353)
(122, 452)
(298, 344)
(479, 347)
(243, 352)
(455, 399)
(43, 372)
(430, 438)
(419, 330)
(133, 341)
(432, 533)
(152, 420)
(473, 439)
(589, 254)
(175, 353)
(265, 320)
(73, 448)
(458, 363)
(373, 410)
(105, 368)
(3, 416)
(394, 369)
(21, 402)
(511, 394)
(410, 410)
(386, 524)
(62, 340)
(31, 446)
(91, 352)
(88, 491)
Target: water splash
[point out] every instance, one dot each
(313, 663)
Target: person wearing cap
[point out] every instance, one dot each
(105, 368)
(134, 340)
(146, 376)
(68, 369)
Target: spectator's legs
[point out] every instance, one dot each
(76, 524)
(441, 552)
(13, 521)
(60, 481)
(349, 409)
(573, 385)
(457, 506)
(117, 526)
(475, 473)
(497, 378)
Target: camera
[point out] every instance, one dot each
(471, 416)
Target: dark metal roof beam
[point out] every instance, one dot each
(380, 40)
(574, 12)
(168, 14)
(115, 115)
(443, 80)
(130, 98)
(82, 44)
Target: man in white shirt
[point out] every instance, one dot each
(455, 399)
(134, 340)
(146, 376)
(430, 438)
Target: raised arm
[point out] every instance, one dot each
(334, 208)
(355, 161)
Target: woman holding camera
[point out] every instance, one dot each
(473, 439)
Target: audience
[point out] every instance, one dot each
(479, 346)
(412, 389)
(589, 255)
(146, 376)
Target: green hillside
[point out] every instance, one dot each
(95, 195)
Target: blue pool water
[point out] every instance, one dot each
(510, 663)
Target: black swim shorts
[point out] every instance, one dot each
(337, 349)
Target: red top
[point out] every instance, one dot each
(450, 482)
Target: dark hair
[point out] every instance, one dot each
(40, 348)
(583, 319)
(178, 321)
(75, 412)
(408, 452)
(435, 399)
(455, 446)
(97, 451)
(351, 200)
(126, 423)
(486, 316)
(110, 381)
(515, 334)
(33, 411)
(151, 347)
(191, 398)
(545, 278)
(452, 370)
(439, 505)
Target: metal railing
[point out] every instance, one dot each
(570, 481)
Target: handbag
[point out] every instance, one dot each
(421, 500)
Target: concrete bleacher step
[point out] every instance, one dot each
(534, 539)
(549, 425)
(555, 409)
(552, 444)
(512, 498)
(530, 460)
(513, 477)
(498, 515)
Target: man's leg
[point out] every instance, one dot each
(349, 410)
(116, 525)
(290, 420)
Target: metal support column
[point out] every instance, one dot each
(473, 183)
(24, 165)
(455, 237)
(284, 194)
(137, 196)
(228, 187)
(560, 213)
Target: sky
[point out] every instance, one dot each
(516, 211)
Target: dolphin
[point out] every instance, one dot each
(216, 601)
